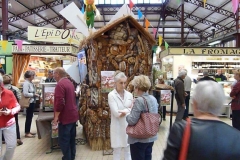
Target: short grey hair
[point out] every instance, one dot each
(205, 73)
(119, 75)
(182, 72)
(209, 97)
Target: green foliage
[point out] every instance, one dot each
(156, 74)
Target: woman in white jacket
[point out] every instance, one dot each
(120, 103)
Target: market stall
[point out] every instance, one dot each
(39, 58)
(121, 45)
(196, 60)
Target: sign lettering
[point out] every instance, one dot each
(204, 51)
(54, 35)
(37, 49)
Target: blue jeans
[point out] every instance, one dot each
(141, 151)
(66, 138)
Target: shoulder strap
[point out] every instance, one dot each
(185, 141)
(145, 102)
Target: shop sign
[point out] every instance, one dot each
(204, 51)
(54, 35)
(45, 49)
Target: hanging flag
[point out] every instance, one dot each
(204, 3)
(4, 44)
(154, 32)
(131, 4)
(166, 45)
(147, 23)
(19, 44)
(139, 14)
(82, 10)
(160, 40)
(235, 5)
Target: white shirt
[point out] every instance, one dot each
(187, 83)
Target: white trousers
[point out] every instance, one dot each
(117, 153)
(11, 141)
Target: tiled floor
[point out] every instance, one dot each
(35, 149)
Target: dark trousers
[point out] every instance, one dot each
(236, 119)
(29, 116)
(141, 151)
(164, 112)
(187, 105)
(66, 138)
(17, 126)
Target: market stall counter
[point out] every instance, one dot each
(43, 123)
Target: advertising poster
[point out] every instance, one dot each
(107, 81)
(82, 65)
(165, 97)
(49, 96)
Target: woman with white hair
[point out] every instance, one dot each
(209, 136)
(8, 108)
(120, 102)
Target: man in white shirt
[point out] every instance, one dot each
(187, 87)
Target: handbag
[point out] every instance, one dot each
(185, 141)
(24, 101)
(147, 125)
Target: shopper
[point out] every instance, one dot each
(65, 113)
(209, 137)
(29, 90)
(141, 149)
(219, 76)
(2, 71)
(50, 78)
(235, 105)
(7, 80)
(187, 88)
(180, 94)
(161, 81)
(206, 77)
(120, 102)
(8, 108)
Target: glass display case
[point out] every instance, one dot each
(48, 96)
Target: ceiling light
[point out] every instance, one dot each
(213, 43)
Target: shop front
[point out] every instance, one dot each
(197, 60)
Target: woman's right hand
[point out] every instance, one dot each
(122, 114)
(36, 95)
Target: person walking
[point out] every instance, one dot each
(65, 113)
(120, 102)
(8, 108)
(180, 94)
(7, 80)
(235, 105)
(187, 88)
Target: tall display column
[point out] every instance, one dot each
(4, 19)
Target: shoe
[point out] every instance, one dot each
(19, 142)
(164, 119)
(3, 142)
(29, 136)
(33, 133)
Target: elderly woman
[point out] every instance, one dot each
(120, 102)
(235, 105)
(7, 80)
(8, 108)
(29, 90)
(141, 149)
(209, 136)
